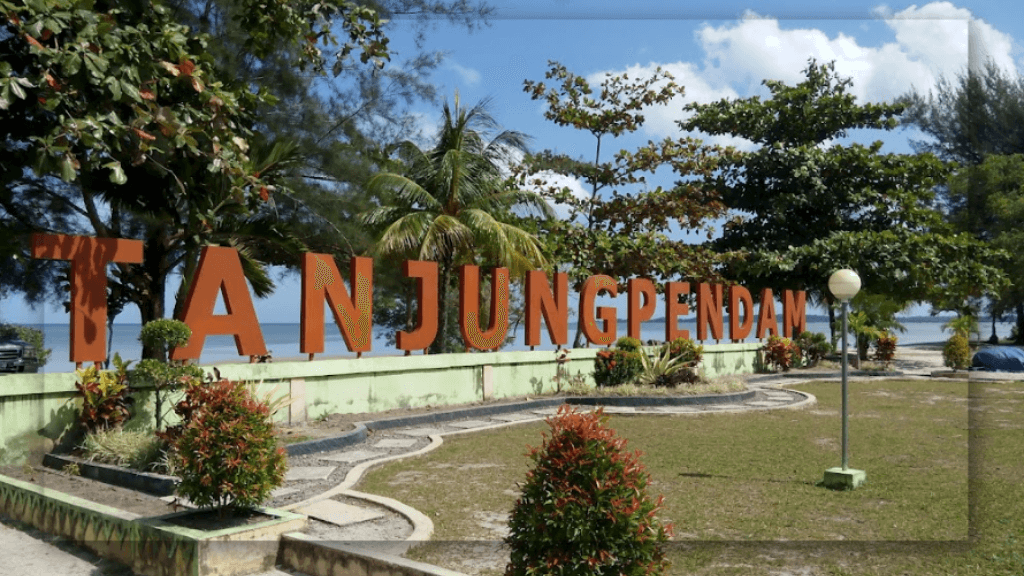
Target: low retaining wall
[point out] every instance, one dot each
(150, 546)
(36, 409)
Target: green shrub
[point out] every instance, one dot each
(227, 453)
(814, 346)
(104, 395)
(781, 353)
(688, 351)
(138, 450)
(163, 378)
(956, 354)
(165, 334)
(619, 365)
(584, 508)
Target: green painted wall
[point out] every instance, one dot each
(35, 409)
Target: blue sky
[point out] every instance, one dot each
(723, 51)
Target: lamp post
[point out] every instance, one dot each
(844, 285)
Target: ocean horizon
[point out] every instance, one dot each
(282, 340)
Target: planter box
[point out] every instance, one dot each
(150, 546)
(155, 484)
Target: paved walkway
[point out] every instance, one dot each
(39, 553)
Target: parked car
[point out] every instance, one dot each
(17, 356)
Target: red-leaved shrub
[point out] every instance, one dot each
(228, 453)
(584, 508)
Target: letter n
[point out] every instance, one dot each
(555, 309)
(321, 280)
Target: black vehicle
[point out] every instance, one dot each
(17, 356)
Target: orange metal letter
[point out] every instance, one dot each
(674, 308)
(89, 258)
(604, 335)
(737, 295)
(555, 309)
(320, 280)
(794, 313)
(637, 312)
(709, 311)
(766, 321)
(469, 308)
(220, 270)
(426, 312)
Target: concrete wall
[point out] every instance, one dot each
(35, 409)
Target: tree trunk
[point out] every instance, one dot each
(832, 323)
(153, 279)
(441, 340)
(1020, 324)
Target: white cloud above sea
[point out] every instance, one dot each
(929, 42)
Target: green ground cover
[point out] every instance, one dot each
(944, 494)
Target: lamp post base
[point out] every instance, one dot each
(839, 479)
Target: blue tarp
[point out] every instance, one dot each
(1001, 359)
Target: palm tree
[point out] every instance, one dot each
(451, 205)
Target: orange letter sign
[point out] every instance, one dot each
(554, 308)
(321, 279)
(469, 308)
(637, 312)
(426, 313)
(709, 311)
(794, 313)
(766, 321)
(673, 308)
(604, 335)
(89, 258)
(220, 271)
(737, 330)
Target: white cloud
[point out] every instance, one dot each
(930, 41)
(551, 179)
(469, 75)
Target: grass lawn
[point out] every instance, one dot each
(944, 492)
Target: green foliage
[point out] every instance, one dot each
(165, 334)
(619, 365)
(139, 450)
(965, 325)
(104, 395)
(885, 349)
(686, 350)
(450, 204)
(33, 336)
(814, 346)
(811, 205)
(956, 353)
(228, 453)
(781, 353)
(623, 228)
(663, 371)
(584, 509)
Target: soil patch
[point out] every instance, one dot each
(91, 490)
(212, 519)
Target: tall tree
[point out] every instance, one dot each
(977, 120)
(450, 204)
(117, 123)
(623, 228)
(807, 205)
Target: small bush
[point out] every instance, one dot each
(228, 453)
(688, 351)
(584, 509)
(814, 346)
(885, 349)
(137, 450)
(781, 353)
(619, 365)
(956, 354)
(165, 334)
(104, 395)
